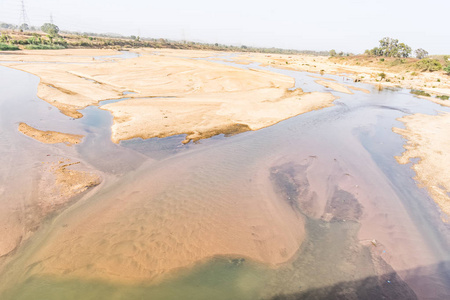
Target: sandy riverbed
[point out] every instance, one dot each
(182, 211)
(198, 98)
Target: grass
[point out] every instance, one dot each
(44, 47)
(7, 47)
(420, 93)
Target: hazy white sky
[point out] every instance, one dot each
(347, 25)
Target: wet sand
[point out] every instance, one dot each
(428, 138)
(178, 213)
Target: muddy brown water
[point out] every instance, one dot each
(372, 233)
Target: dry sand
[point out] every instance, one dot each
(50, 137)
(63, 55)
(429, 139)
(436, 100)
(210, 114)
(335, 86)
(339, 87)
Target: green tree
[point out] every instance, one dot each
(403, 50)
(421, 53)
(50, 29)
(390, 47)
(332, 52)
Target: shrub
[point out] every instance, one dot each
(420, 93)
(7, 47)
(381, 59)
(447, 69)
(382, 75)
(443, 97)
(428, 64)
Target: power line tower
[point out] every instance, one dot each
(23, 15)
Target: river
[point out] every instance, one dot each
(380, 236)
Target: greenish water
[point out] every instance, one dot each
(218, 279)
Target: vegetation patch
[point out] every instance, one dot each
(44, 47)
(447, 69)
(443, 97)
(420, 93)
(7, 47)
(428, 64)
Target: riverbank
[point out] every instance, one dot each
(363, 69)
(428, 139)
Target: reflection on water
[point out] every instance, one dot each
(334, 168)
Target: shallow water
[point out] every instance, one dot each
(341, 157)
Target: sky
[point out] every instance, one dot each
(343, 25)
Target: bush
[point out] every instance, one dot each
(447, 69)
(428, 64)
(44, 47)
(420, 93)
(7, 47)
(443, 97)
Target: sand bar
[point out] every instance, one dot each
(50, 137)
(335, 86)
(210, 114)
(429, 139)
